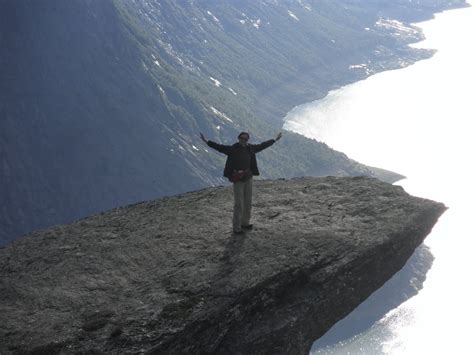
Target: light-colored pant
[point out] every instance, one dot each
(242, 204)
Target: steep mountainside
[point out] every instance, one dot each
(102, 100)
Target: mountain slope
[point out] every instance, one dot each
(80, 116)
(102, 101)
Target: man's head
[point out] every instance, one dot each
(243, 138)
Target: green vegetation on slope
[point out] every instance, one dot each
(102, 101)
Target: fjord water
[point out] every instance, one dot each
(417, 121)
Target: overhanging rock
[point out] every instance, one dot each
(168, 276)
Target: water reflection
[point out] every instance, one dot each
(416, 121)
(405, 284)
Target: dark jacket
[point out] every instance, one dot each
(230, 150)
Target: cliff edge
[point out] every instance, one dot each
(168, 276)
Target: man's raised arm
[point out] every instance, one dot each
(226, 149)
(259, 147)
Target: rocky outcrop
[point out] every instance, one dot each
(405, 284)
(168, 276)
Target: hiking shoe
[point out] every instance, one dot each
(239, 232)
(248, 226)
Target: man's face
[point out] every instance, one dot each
(243, 139)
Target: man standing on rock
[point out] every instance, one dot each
(240, 167)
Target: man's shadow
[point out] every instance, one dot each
(228, 263)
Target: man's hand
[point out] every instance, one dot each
(278, 137)
(203, 138)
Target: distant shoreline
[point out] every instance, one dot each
(402, 57)
(300, 90)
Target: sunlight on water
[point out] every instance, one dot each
(417, 121)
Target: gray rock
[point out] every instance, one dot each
(168, 276)
(405, 284)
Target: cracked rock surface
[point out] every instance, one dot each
(168, 275)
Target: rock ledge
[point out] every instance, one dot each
(167, 276)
